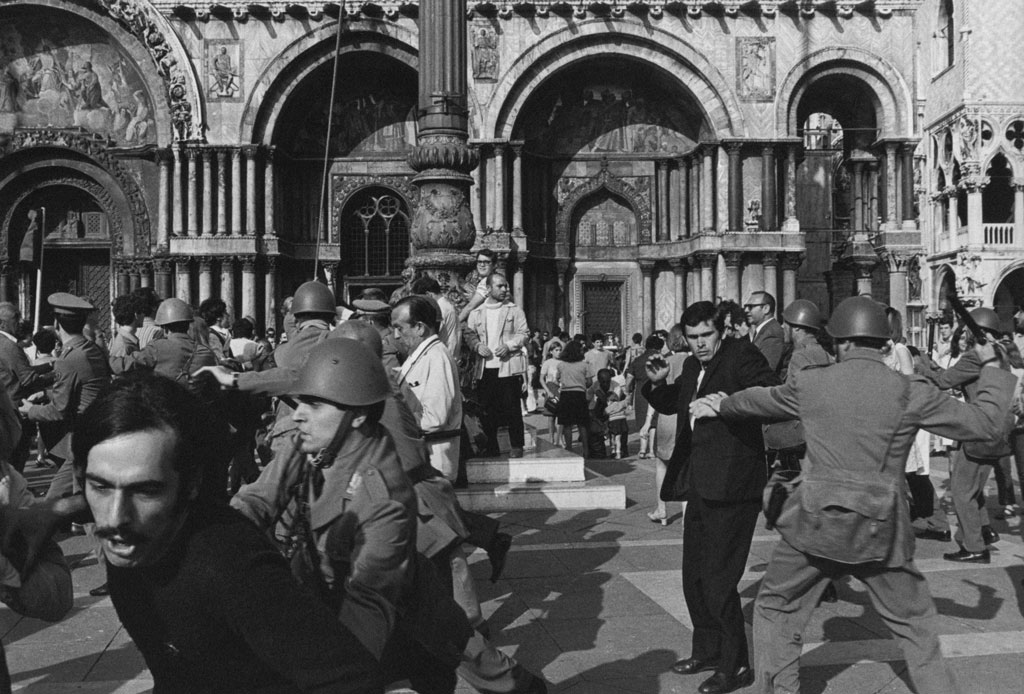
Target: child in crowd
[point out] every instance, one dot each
(608, 412)
(549, 378)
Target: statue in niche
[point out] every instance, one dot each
(914, 279)
(8, 90)
(224, 74)
(755, 69)
(968, 138)
(70, 227)
(485, 53)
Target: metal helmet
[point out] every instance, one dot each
(173, 310)
(858, 316)
(987, 319)
(344, 372)
(803, 313)
(313, 297)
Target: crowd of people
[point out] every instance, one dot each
(280, 514)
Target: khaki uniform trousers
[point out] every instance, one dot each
(790, 591)
(967, 482)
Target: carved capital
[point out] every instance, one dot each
(249, 264)
(678, 264)
(227, 262)
(272, 263)
(443, 152)
(896, 261)
(732, 258)
(706, 258)
(647, 267)
(206, 264)
(162, 266)
(792, 261)
(182, 263)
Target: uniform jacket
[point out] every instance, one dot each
(364, 523)
(791, 434)
(717, 460)
(429, 381)
(80, 373)
(17, 376)
(283, 367)
(846, 435)
(514, 333)
(176, 356)
(771, 340)
(964, 375)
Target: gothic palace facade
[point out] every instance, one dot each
(634, 156)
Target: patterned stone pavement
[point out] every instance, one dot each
(592, 599)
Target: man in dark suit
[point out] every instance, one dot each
(765, 332)
(720, 472)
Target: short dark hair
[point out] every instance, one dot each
(72, 324)
(572, 352)
(426, 285)
(243, 328)
(144, 401)
(487, 253)
(654, 341)
(769, 300)
(700, 311)
(638, 338)
(149, 300)
(212, 310)
(373, 294)
(421, 310)
(597, 336)
(733, 311)
(45, 341)
(125, 309)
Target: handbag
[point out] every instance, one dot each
(551, 407)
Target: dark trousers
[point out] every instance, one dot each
(716, 542)
(482, 528)
(500, 398)
(1004, 481)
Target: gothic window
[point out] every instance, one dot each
(944, 38)
(1015, 135)
(375, 234)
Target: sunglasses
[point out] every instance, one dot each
(753, 305)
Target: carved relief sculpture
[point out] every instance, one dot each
(223, 69)
(755, 68)
(485, 58)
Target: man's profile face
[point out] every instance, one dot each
(134, 493)
(703, 339)
(409, 334)
(318, 422)
(756, 308)
(499, 288)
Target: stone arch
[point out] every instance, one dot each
(285, 72)
(88, 158)
(941, 275)
(1012, 160)
(888, 85)
(590, 38)
(344, 188)
(603, 181)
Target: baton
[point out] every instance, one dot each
(964, 315)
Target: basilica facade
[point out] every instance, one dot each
(633, 156)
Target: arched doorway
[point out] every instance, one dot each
(374, 228)
(1009, 295)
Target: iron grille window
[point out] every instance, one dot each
(376, 235)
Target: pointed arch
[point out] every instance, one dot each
(606, 181)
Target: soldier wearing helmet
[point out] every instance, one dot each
(314, 312)
(857, 447)
(975, 460)
(353, 535)
(801, 324)
(176, 354)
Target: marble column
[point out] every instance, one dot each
(270, 293)
(732, 275)
(907, 166)
(145, 276)
(193, 191)
(123, 280)
(162, 277)
(227, 281)
(858, 196)
(872, 196)
(5, 279)
(501, 213)
(683, 207)
(790, 264)
(975, 223)
(735, 187)
(249, 286)
(771, 275)
(561, 275)
(693, 174)
(205, 278)
(207, 192)
(769, 188)
(222, 191)
(179, 161)
(517, 191)
(477, 196)
(678, 266)
(753, 275)
(708, 263)
(269, 191)
(518, 280)
(954, 219)
(675, 229)
(707, 192)
(897, 263)
(135, 272)
(1018, 211)
(163, 224)
(236, 191)
(251, 153)
(661, 174)
(647, 290)
(890, 186)
(183, 282)
(862, 273)
(692, 280)
(792, 224)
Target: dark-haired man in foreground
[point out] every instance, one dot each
(210, 603)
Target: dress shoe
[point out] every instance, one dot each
(989, 535)
(720, 683)
(940, 535)
(516, 452)
(497, 552)
(100, 591)
(690, 666)
(965, 557)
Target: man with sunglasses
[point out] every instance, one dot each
(765, 331)
(485, 265)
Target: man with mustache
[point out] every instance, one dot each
(209, 602)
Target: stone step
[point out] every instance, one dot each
(594, 492)
(538, 465)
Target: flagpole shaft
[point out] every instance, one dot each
(39, 272)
